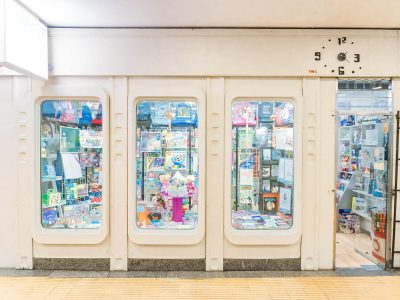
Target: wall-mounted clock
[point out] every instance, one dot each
(338, 56)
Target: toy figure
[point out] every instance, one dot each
(190, 184)
(164, 180)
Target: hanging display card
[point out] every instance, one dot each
(246, 177)
(281, 170)
(266, 184)
(155, 163)
(288, 169)
(175, 160)
(379, 153)
(285, 200)
(158, 114)
(71, 166)
(246, 160)
(176, 140)
(274, 170)
(244, 114)
(246, 196)
(371, 137)
(266, 154)
(246, 138)
(280, 142)
(69, 140)
(151, 141)
(289, 139)
(90, 139)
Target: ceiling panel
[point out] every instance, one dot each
(218, 13)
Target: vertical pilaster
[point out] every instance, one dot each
(118, 174)
(309, 245)
(215, 175)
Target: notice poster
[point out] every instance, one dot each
(91, 139)
(288, 170)
(285, 200)
(371, 137)
(176, 160)
(246, 177)
(69, 140)
(150, 141)
(155, 163)
(176, 140)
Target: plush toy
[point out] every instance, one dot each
(190, 184)
(164, 180)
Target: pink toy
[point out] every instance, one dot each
(164, 179)
(177, 209)
(190, 184)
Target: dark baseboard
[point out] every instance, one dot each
(166, 264)
(285, 264)
(72, 264)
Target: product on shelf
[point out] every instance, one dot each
(71, 164)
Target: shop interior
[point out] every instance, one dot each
(363, 168)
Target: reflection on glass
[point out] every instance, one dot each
(262, 165)
(71, 164)
(167, 165)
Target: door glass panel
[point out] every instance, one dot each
(362, 190)
(262, 165)
(71, 149)
(167, 165)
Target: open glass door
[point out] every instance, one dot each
(363, 162)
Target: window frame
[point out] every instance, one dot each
(69, 236)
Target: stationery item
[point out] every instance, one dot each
(89, 159)
(244, 114)
(266, 171)
(266, 184)
(274, 187)
(51, 109)
(90, 139)
(246, 196)
(266, 154)
(288, 169)
(86, 116)
(68, 114)
(185, 115)
(281, 169)
(69, 140)
(270, 203)
(246, 138)
(98, 119)
(176, 139)
(246, 177)
(51, 198)
(276, 154)
(71, 167)
(158, 114)
(155, 163)
(143, 115)
(246, 160)
(175, 160)
(274, 170)
(150, 141)
(285, 200)
(49, 216)
(284, 115)
(265, 110)
(81, 190)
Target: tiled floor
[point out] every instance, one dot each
(304, 286)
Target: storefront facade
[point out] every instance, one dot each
(186, 149)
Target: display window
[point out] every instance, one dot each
(167, 165)
(71, 155)
(262, 165)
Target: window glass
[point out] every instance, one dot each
(262, 165)
(71, 164)
(167, 165)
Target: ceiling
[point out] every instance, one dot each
(218, 13)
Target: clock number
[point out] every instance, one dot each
(342, 40)
(341, 70)
(356, 57)
(317, 55)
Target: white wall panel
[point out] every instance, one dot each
(207, 52)
(8, 175)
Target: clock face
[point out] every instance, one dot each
(338, 56)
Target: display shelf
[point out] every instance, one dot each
(363, 214)
(57, 178)
(369, 195)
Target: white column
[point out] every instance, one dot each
(118, 174)
(215, 175)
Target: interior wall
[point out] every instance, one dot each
(8, 175)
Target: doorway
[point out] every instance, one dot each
(363, 152)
